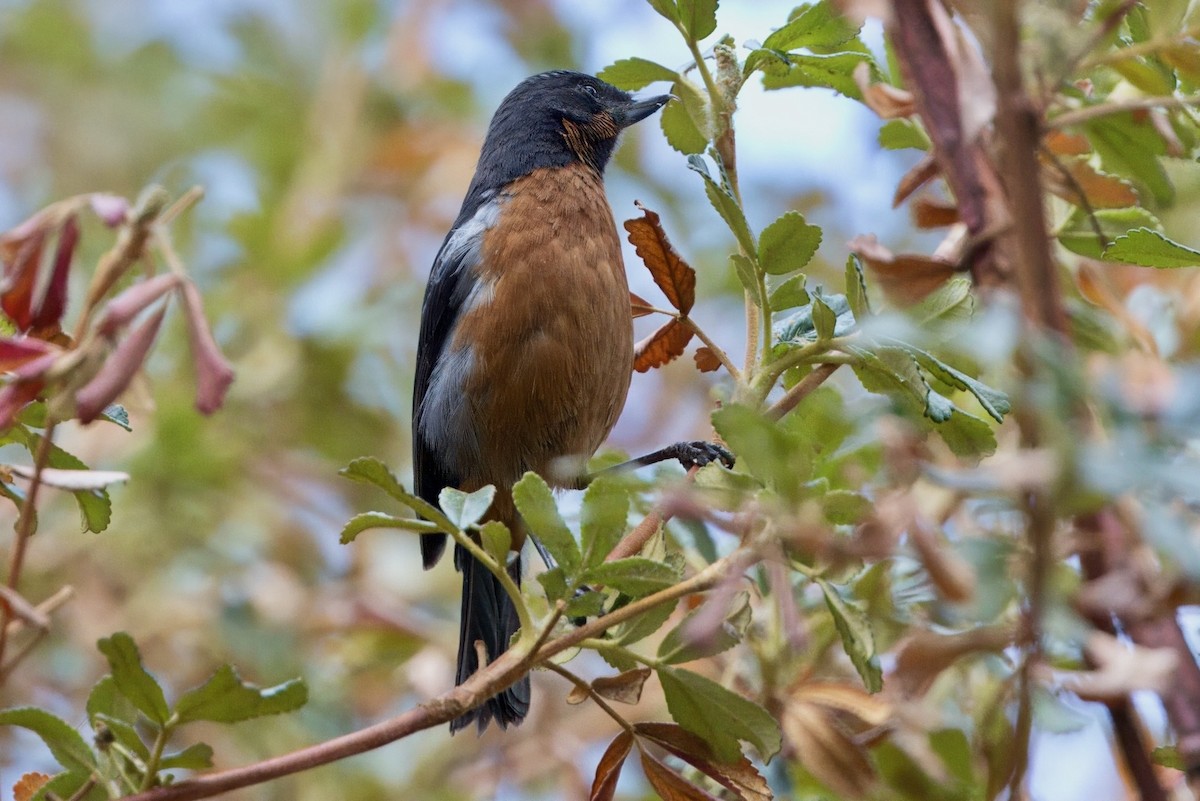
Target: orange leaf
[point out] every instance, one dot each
(1062, 143)
(673, 275)
(662, 347)
(669, 784)
(886, 100)
(639, 306)
(624, 687)
(28, 785)
(706, 360)
(905, 279)
(741, 777)
(1100, 191)
(929, 212)
(922, 173)
(604, 787)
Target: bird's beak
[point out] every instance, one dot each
(638, 110)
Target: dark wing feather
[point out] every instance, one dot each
(450, 283)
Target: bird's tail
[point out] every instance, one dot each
(488, 616)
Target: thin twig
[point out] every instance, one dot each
(1139, 49)
(591, 691)
(1082, 115)
(803, 388)
(717, 350)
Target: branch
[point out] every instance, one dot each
(803, 388)
(1082, 115)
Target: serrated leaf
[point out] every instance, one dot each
(725, 205)
(993, 401)
(666, 344)
(133, 681)
(674, 276)
(719, 716)
(604, 786)
(632, 74)
(799, 327)
(818, 25)
(117, 415)
(194, 757)
(585, 604)
(706, 359)
(602, 519)
(699, 18)
(496, 540)
(665, 8)
(858, 641)
(28, 785)
(536, 504)
(1078, 233)
(669, 785)
(95, 507)
(370, 470)
(368, 520)
(466, 509)
(1086, 186)
(1129, 145)
(856, 288)
(65, 743)
(680, 129)
(635, 576)
(902, 134)
(952, 301)
(642, 626)
(69, 784)
(106, 699)
(824, 319)
(967, 436)
(684, 644)
(225, 698)
(788, 244)
(740, 777)
(791, 293)
(1148, 248)
(763, 448)
(832, 71)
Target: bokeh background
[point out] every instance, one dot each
(335, 141)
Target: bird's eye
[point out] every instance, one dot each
(591, 90)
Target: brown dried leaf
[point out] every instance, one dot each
(624, 687)
(888, 101)
(673, 275)
(670, 785)
(929, 212)
(578, 695)
(1062, 143)
(28, 785)
(923, 655)
(706, 360)
(639, 306)
(870, 710)
(1100, 191)
(904, 279)
(826, 751)
(741, 777)
(950, 573)
(662, 347)
(1122, 668)
(920, 174)
(1094, 287)
(604, 786)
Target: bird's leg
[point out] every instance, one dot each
(697, 453)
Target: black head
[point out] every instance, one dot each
(555, 119)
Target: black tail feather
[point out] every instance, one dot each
(488, 615)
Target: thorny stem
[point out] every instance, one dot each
(595, 696)
(24, 527)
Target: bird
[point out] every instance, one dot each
(525, 351)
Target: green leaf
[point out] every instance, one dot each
(791, 293)
(535, 502)
(1078, 232)
(720, 716)
(745, 270)
(132, 680)
(602, 519)
(824, 319)
(993, 401)
(818, 25)
(124, 732)
(678, 646)
(463, 509)
(699, 18)
(856, 288)
(854, 628)
(632, 74)
(726, 206)
(1131, 147)
(106, 699)
(843, 507)
(554, 583)
(763, 449)
(194, 757)
(585, 604)
(635, 576)
(68, 785)
(65, 743)
(225, 698)
(833, 71)
(368, 520)
(95, 507)
(680, 128)
(950, 302)
(496, 540)
(902, 134)
(788, 244)
(1168, 756)
(118, 415)
(370, 470)
(799, 328)
(665, 8)
(644, 624)
(1148, 248)
(967, 436)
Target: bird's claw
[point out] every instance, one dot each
(700, 453)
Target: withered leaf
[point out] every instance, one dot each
(673, 275)
(921, 173)
(639, 306)
(1062, 143)
(924, 655)
(706, 360)
(28, 785)
(604, 786)
(669, 784)
(741, 776)
(929, 212)
(826, 750)
(1122, 668)
(624, 687)
(1099, 190)
(662, 347)
(905, 279)
(888, 101)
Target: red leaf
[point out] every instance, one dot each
(213, 373)
(921, 173)
(118, 370)
(53, 302)
(706, 360)
(669, 784)
(16, 352)
(741, 777)
(22, 255)
(662, 347)
(604, 787)
(673, 275)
